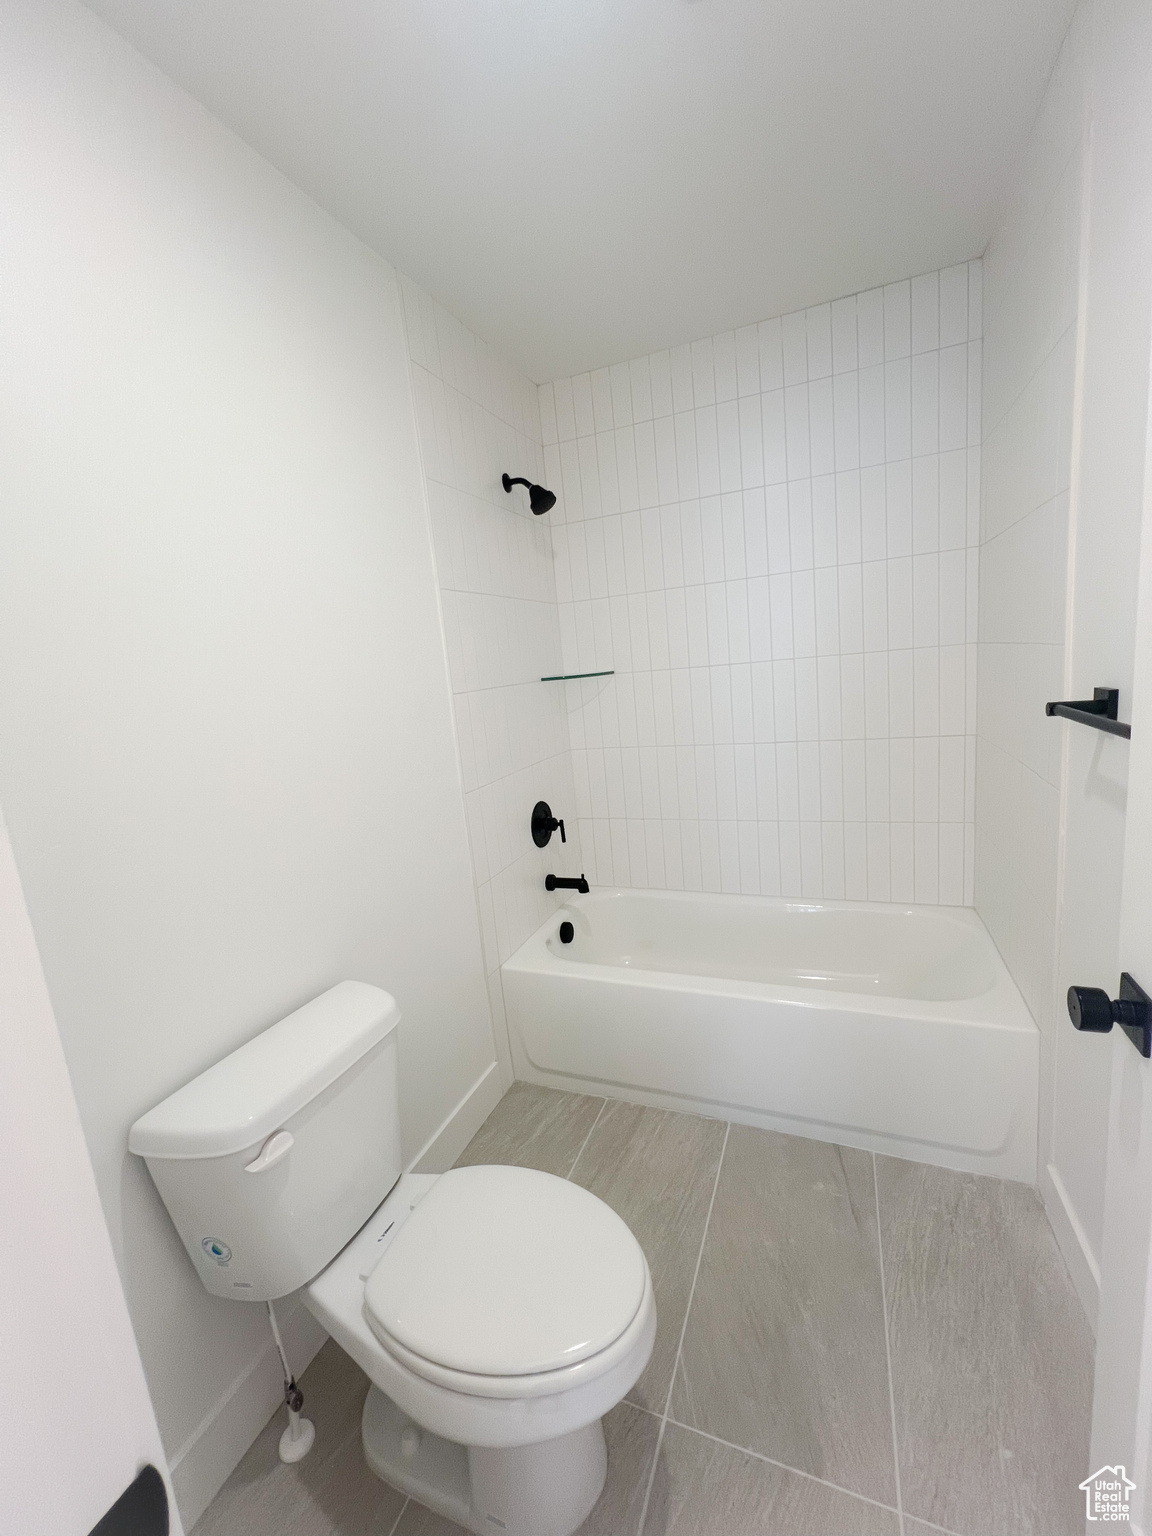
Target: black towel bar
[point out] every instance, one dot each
(1100, 711)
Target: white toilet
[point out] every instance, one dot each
(499, 1312)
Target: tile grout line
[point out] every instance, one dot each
(941, 1530)
(784, 1467)
(683, 1331)
(888, 1348)
(587, 1139)
(396, 1523)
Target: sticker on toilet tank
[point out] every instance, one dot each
(217, 1250)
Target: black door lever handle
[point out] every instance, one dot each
(1094, 1012)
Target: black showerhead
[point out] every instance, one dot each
(540, 499)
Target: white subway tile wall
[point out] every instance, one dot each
(772, 536)
(477, 418)
(1032, 270)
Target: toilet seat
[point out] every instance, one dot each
(537, 1384)
(470, 1410)
(505, 1282)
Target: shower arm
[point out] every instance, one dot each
(540, 498)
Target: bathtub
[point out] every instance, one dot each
(895, 1029)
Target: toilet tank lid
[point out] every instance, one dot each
(251, 1093)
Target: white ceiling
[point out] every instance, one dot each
(582, 181)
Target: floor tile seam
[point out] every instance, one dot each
(651, 1475)
(784, 1466)
(888, 1347)
(942, 1530)
(696, 1270)
(394, 1527)
(587, 1139)
(683, 1329)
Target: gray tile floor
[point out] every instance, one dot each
(848, 1345)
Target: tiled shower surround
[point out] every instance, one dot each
(476, 418)
(771, 537)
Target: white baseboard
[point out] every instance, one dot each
(206, 1460)
(450, 1138)
(1072, 1241)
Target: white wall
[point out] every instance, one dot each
(83, 1424)
(226, 748)
(1059, 558)
(1031, 293)
(1109, 499)
(1107, 505)
(1031, 338)
(477, 418)
(770, 535)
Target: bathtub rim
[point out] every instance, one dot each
(1000, 1006)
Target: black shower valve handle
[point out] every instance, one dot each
(544, 824)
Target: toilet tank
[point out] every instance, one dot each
(270, 1161)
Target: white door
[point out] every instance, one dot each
(79, 1424)
(1116, 479)
(1122, 1406)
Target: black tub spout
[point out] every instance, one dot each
(558, 883)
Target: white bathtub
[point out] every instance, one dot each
(895, 1029)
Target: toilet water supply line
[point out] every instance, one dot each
(297, 1439)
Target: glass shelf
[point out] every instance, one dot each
(566, 677)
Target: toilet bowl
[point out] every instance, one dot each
(499, 1313)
